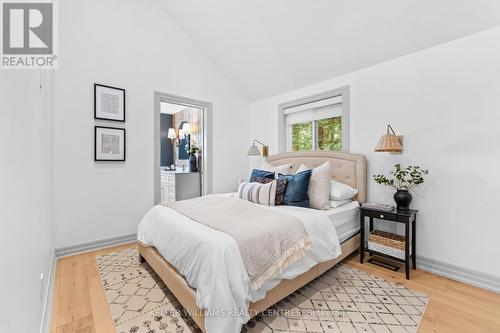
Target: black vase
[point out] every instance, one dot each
(192, 163)
(403, 199)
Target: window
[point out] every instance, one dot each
(316, 123)
(329, 134)
(302, 136)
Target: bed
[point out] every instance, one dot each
(346, 168)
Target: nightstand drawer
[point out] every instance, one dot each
(382, 215)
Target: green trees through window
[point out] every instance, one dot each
(302, 136)
(324, 134)
(330, 134)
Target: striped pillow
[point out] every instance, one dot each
(262, 194)
(280, 188)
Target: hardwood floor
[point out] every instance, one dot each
(80, 304)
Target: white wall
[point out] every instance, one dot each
(136, 46)
(446, 102)
(25, 197)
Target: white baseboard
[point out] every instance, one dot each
(67, 251)
(47, 303)
(465, 275)
(94, 245)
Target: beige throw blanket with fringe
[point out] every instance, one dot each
(268, 241)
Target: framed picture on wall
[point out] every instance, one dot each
(109, 103)
(109, 144)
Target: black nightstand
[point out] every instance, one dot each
(408, 217)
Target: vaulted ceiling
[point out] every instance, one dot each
(267, 47)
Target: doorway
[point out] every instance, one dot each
(181, 125)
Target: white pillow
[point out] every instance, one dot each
(262, 194)
(283, 169)
(338, 203)
(319, 185)
(341, 191)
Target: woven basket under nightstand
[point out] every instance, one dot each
(387, 243)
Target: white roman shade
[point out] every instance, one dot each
(322, 109)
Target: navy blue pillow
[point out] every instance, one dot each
(296, 189)
(261, 174)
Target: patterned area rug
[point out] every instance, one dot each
(341, 300)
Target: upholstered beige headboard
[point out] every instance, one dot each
(347, 168)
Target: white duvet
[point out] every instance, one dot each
(211, 263)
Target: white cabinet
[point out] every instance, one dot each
(176, 186)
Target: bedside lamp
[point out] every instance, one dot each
(254, 150)
(390, 143)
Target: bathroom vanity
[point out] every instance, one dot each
(179, 185)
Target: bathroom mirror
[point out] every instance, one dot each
(183, 142)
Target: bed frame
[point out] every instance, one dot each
(347, 168)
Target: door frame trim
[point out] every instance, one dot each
(206, 170)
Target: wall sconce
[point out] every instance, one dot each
(390, 143)
(172, 135)
(184, 132)
(186, 128)
(254, 150)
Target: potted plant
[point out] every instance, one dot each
(403, 180)
(192, 149)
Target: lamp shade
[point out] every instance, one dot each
(253, 151)
(389, 143)
(186, 128)
(171, 133)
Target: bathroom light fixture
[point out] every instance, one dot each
(172, 135)
(254, 150)
(390, 143)
(186, 128)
